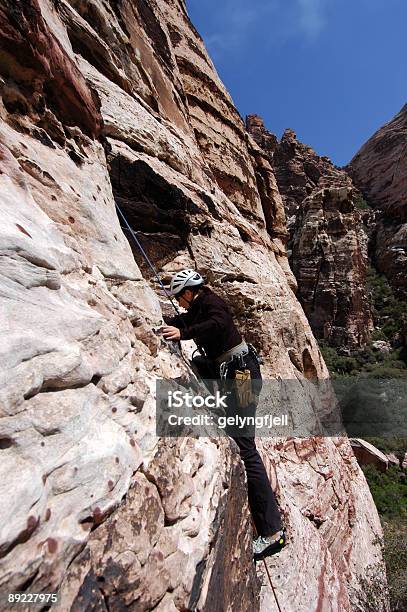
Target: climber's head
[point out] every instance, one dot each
(185, 285)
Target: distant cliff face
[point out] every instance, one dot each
(379, 170)
(298, 169)
(328, 241)
(329, 259)
(118, 101)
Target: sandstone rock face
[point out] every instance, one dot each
(329, 260)
(379, 170)
(106, 102)
(298, 169)
(265, 139)
(393, 460)
(328, 237)
(367, 454)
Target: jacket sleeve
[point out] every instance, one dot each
(179, 321)
(215, 322)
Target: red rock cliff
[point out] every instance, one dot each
(328, 241)
(379, 170)
(118, 100)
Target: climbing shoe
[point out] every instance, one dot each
(264, 547)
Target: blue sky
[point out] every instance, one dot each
(332, 70)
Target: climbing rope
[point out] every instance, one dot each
(154, 270)
(173, 346)
(147, 259)
(157, 276)
(272, 586)
(268, 573)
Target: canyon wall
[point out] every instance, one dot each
(328, 237)
(379, 170)
(117, 102)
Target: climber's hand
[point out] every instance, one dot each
(171, 333)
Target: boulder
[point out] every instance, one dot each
(393, 460)
(367, 454)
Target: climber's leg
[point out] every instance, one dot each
(262, 502)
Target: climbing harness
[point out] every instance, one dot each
(242, 383)
(255, 354)
(235, 351)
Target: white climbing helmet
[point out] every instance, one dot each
(184, 279)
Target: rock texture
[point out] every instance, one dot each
(379, 170)
(367, 454)
(393, 460)
(118, 101)
(329, 260)
(328, 239)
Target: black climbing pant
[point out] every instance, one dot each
(262, 502)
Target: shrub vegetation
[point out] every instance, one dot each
(389, 489)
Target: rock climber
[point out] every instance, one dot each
(209, 322)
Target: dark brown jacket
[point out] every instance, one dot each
(209, 322)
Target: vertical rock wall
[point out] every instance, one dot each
(328, 240)
(105, 101)
(379, 170)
